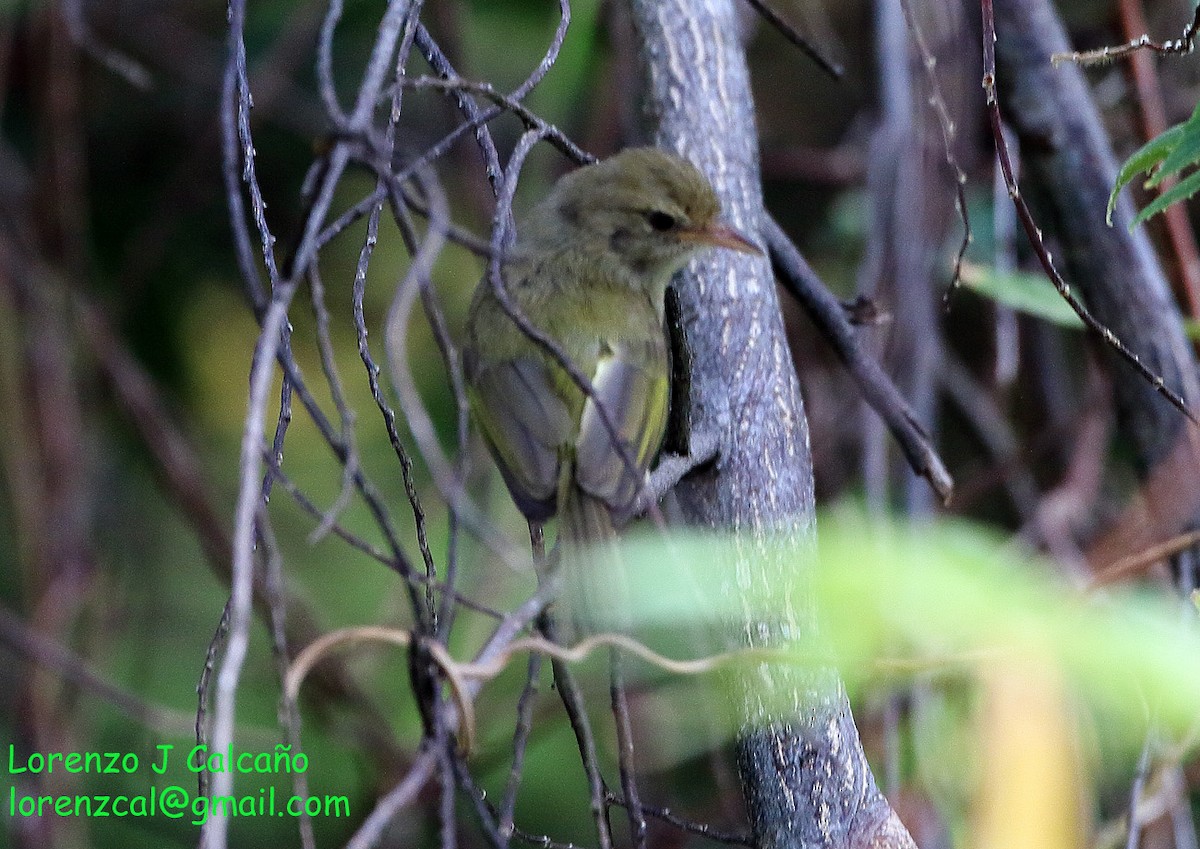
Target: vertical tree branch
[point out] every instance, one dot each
(804, 773)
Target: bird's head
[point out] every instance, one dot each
(644, 208)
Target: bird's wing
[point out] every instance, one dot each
(631, 382)
(527, 424)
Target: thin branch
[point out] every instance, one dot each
(625, 754)
(508, 103)
(345, 414)
(284, 419)
(829, 316)
(366, 489)
(125, 67)
(449, 766)
(576, 708)
(420, 611)
(450, 486)
(1135, 564)
(949, 131)
(1136, 789)
(551, 55)
(487, 814)
(289, 715)
(793, 35)
(395, 338)
(381, 168)
(398, 798)
(472, 517)
(702, 829)
(477, 120)
(358, 543)
(470, 109)
(270, 340)
(1181, 46)
(234, 170)
(51, 655)
(241, 590)
(524, 726)
(325, 83)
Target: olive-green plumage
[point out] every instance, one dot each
(590, 269)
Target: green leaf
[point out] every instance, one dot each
(1031, 294)
(1143, 159)
(1164, 156)
(892, 597)
(1182, 190)
(1186, 151)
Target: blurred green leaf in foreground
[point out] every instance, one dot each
(1051, 666)
(893, 599)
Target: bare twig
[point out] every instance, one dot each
(827, 313)
(241, 594)
(670, 817)
(420, 609)
(627, 767)
(273, 321)
(289, 716)
(793, 35)
(476, 120)
(397, 799)
(325, 83)
(1135, 564)
(510, 103)
(450, 769)
(1136, 789)
(949, 132)
(345, 414)
(573, 703)
(508, 804)
(358, 543)
(128, 69)
(50, 654)
(488, 815)
(1181, 46)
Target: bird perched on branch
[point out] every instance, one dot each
(589, 270)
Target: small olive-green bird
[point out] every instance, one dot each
(590, 269)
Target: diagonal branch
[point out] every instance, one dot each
(828, 314)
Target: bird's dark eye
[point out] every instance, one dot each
(661, 221)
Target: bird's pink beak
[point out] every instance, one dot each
(720, 236)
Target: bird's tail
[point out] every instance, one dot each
(595, 594)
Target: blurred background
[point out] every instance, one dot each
(126, 340)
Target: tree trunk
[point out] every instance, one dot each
(805, 777)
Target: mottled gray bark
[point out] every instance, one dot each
(806, 779)
(1069, 161)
